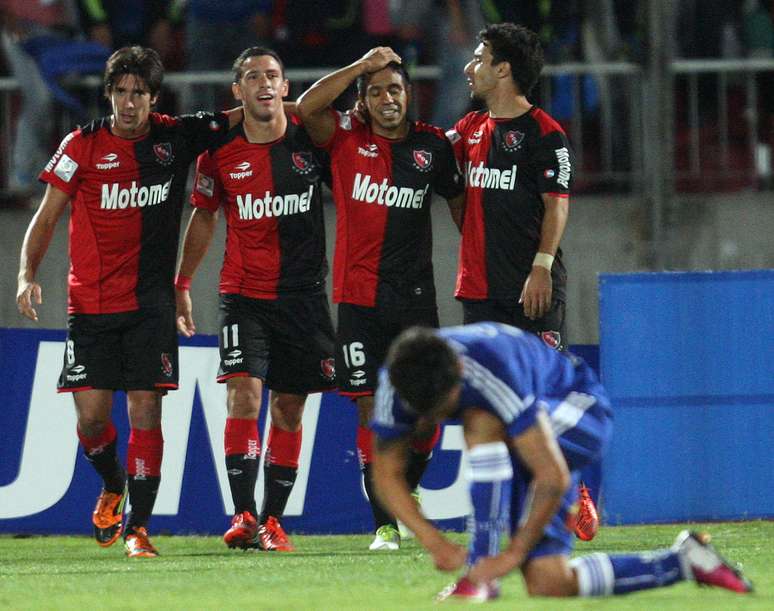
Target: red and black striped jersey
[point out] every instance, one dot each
(508, 165)
(271, 195)
(382, 189)
(126, 203)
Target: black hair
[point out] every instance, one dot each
(364, 79)
(520, 47)
(142, 62)
(255, 52)
(423, 368)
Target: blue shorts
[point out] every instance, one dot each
(558, 537)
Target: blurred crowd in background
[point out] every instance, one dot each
(47, 42)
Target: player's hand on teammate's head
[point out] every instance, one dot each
(28, 293)
(378, 57)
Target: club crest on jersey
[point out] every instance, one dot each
(163, 152)
(328, 368)
(166, 364)
(303, 162)
(512, 140)
(423, 160)
(552, 339)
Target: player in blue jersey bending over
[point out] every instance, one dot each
(532, 419)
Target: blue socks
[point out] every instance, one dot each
(602, 575)
(490, 478)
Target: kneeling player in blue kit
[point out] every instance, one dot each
(532, 419)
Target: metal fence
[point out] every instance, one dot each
(720, 136)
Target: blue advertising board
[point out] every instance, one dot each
(46, 486)
(687, 360)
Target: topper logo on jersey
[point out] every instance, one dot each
(371, 150)
(364, 190)
(423, 160)
(114, 197)
(490, 178)
(476, 138)
(565, 170)
(242, 171)
(273, 205)
(110, 162)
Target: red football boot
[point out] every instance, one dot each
(243, 532)
(587, 522)
(273, 538)
(701, 562)
(466, 590)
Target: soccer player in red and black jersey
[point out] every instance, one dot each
(519, 168)
(275, 320)
(384, 169)
(124, 178)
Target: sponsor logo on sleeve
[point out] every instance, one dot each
(53, 161)
(565, 169)
(453, 136)
(66, 168)
(423, 160)
(205, 185)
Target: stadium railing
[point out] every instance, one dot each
(721, 136)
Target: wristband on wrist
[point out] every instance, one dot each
(183, 283)
(543, 259)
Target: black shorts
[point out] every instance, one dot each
(551, 327)
(287, 342)
(125, 351)
(365, 335)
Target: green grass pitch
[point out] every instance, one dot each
(333, 572)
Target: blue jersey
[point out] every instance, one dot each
(514, 375)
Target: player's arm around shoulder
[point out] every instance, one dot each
(36, 240)
(314, 105)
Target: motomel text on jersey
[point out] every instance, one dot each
(113, 197)
(490, 178)
(273, 205)
(563, 157)
(386, 194)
